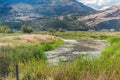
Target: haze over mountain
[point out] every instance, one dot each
(30, 9)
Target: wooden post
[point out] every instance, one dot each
(0, 78)
(17, 72)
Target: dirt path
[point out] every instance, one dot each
(74, 48)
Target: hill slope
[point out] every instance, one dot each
(109, 18)
(32, 9)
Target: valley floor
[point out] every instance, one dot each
(28, 51)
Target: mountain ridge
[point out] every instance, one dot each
(31, 8)
(104, 18)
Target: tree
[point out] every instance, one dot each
(51, 30)
(61, 30)
(26, 29)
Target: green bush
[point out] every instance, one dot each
(26, 29)
(51, 30)
(5, 29)
(26, 53)
(61, 30)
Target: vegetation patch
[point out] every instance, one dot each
(105, 67)
(28, 53)
(33, 66)
(5, 29)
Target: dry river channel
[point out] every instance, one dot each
(72, 49)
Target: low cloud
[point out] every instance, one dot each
(100, 4)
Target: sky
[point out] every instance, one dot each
(100, 4)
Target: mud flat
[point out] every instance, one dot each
(74, 48)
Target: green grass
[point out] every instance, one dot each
(31, 59)
(107, 67)
(33, 65)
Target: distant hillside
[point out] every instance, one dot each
(106, 19)
(4, 8)
(32, 9)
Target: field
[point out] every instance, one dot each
(28, 52)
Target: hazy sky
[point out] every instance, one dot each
(100, 4)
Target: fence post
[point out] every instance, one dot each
(0, 78)
(0, 75)
(17, 72)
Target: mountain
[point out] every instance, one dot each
(32, 9)
(107, 19)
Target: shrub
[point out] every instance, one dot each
(5, 29)
(51, 30)
(61, 30)
(26, 29)
(26, 53)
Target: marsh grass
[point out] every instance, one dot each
(106, 67)
(30, 58)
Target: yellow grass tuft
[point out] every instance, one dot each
(26, 39)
